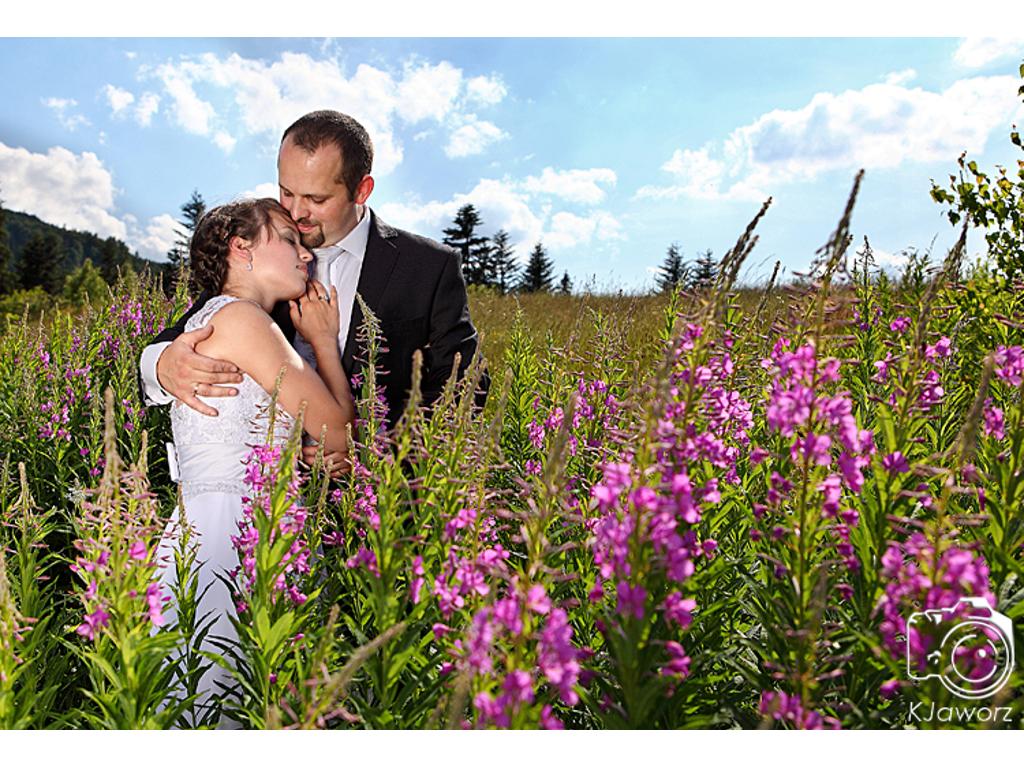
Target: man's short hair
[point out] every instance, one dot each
(325, 126)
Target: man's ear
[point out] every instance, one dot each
(363, 190)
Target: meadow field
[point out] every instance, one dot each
(687, 510)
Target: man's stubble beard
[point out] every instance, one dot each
(314, 239)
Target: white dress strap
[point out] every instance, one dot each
(209, 309)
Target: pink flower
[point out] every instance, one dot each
(548, 720)
(93, 623)
(557, 658)
(507, 613)
(679, 663)
(462, 519)
(537, 599)
(137, 551)
(895, 463)
(416, 584)
(889, 689)
(154, 603)
(940, 349)
(518, 686)
(536, 433)
(814, 448)
(995, 424)
(679, 609)
(1010, 364)
(900, 325)
(366, 558)
(631, 599)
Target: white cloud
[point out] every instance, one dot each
(190, 112)
(568, 230)
(118, 98)
(428, 92)
(577, 185)
(266, 189)
(473, 138)
(213, 96)
(62, 188)
(77, 192)
(486, 90)
(156, 239)
(697, 173)
(62, 108)
(225, 141)
(508, 204)
(148, 104)
(975, 52)
(500, 203)
(888, 260)
(877, 127)
(902, 77)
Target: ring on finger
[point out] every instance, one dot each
(195, 389)
(323, 297)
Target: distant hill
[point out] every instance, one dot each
(77, 246)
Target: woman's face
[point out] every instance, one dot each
(280, 260)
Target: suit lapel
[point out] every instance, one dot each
(378, 263)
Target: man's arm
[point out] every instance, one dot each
(152, 392)
(170, 368)
(149, 383)
(451, 332)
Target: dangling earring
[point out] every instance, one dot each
(248, 267)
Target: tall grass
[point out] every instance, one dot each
(682, 510)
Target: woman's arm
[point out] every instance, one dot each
(247, 336)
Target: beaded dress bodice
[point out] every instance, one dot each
(208, 453)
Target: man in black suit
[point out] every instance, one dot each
(412, 284)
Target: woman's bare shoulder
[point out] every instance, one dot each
(242, 332)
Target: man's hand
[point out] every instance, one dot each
(336, 463)
(184, 373)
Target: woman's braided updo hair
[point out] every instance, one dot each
(208, 250)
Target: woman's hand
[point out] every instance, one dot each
(315, 315)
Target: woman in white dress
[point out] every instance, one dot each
(248, 256)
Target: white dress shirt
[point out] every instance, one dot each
(338, 265)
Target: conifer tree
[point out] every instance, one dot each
(113, 255)
(704, 272)
(672, 272)
(538, 273)
(475, 250)
(565, 286)
(503, 261)
(8, 277)
(41, 263)
(192, 211)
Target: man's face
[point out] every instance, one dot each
(319, 204)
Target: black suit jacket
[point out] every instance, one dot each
(414, 286)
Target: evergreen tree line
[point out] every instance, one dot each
(491, 262)
(696, 275)
(40, 257)
(46, 262)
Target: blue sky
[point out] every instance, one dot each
(606, 150)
